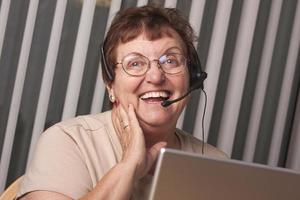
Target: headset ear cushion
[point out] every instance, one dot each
(197, 75)
(105, 68)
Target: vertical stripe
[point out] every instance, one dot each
(91, 67)
(262, 81)
(206, 30)
(184, 7)
(31, 89)
(141, 3)
(234, 21)
(275, 78)
(63, 62)
(195, 19)
(114, 8)
(3, 20)
(99, 92)
(285, 91)
(251, 78)
(293, 158)
(196, 15)
(17, 92)
(9, 60)
(79, 57)
(293, 161)
(158, 3)
(292, 104)
(170, 3)
(213, 64)
(48, 74)
(128, 4)
(238, 74)
(202, 49)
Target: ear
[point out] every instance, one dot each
(111, 93)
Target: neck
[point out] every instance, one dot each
(158, 135)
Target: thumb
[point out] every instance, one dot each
(153, 153)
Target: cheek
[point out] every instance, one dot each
(125, 87)
(183, 83)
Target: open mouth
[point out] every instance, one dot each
(157, 96)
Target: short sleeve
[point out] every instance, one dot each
(57, 166)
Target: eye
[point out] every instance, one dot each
(170, 60)
(135, 63)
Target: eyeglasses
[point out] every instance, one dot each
(135, 64)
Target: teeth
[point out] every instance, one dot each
(155, 94)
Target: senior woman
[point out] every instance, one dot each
(147, 57)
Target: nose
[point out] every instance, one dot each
(155, 74)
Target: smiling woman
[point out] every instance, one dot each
(147, 57)
(154, 119)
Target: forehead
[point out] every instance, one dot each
(143, 45)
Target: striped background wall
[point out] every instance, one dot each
(49, 71)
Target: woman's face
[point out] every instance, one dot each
(145, 92)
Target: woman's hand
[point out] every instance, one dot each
(133, 142)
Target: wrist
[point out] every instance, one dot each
(132, 168)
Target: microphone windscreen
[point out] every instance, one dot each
(166, 103)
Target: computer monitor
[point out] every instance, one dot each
(185, 176)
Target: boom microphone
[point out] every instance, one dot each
(197, 85)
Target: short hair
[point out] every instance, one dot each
(155, 23)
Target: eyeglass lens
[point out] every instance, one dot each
(137, 64)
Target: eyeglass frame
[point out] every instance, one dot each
(149, 63)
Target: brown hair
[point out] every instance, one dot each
(154, 22)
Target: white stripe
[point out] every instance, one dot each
(180, 120)
(17, 92)
(213, 64)
(3, 21)
(114, 8)
(262, 81)
(196, 15)
(81, 47)
(170, 3)
(141, 3)
(282, 110)
(47, 80)
(99, 91)
(237, 77)
(293, 160)
(195, 20)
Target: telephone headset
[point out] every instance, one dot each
(197, 77)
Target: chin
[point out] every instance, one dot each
(157, 119)
(154, 115)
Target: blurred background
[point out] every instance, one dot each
(50, 71)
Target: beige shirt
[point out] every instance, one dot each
(72, 156)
